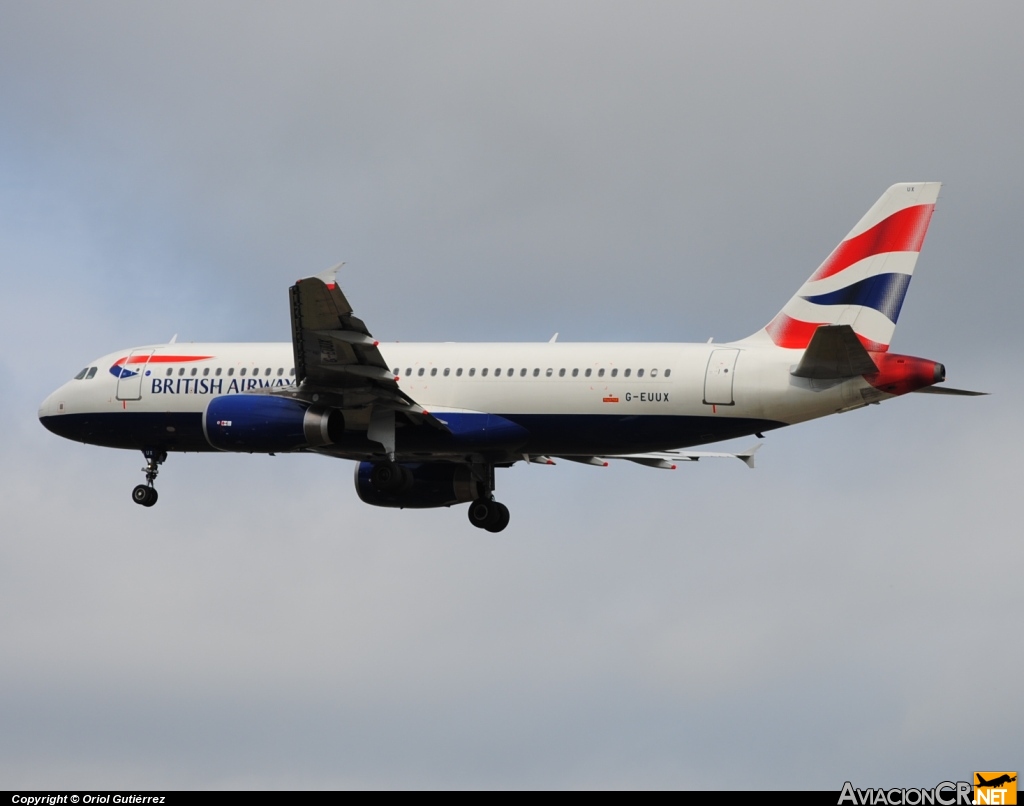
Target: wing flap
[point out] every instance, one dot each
(667, 460)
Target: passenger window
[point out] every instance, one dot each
(92, 374)
(626, 373)
(483, 372)
(550, 372)
(575, 372)
(587, 373)
(615, 373)
(447, 370)
(639, 373)
(181, 371)
(231, 371)
(600, 373)
(170, 371)
(408, 372)
(472, 371)
(654, 373)
(280, 371)
(536, 372)
(267, 371)
(81, 374)
(433, 371)
(394, 371)
(458, 372)
(206, 371)
(522, 372)
(561, 373)
(195, 371)
(217, 372)
(420, 372)
(668, 372)
(291, 371)
(240, 372)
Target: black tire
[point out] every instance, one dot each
(390, 477)
(484, 514)
(502, 520)
(144, 496)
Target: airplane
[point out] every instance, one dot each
(995, 782)
(428, 423)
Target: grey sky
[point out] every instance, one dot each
(641, 171)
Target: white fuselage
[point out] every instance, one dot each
(718, 390)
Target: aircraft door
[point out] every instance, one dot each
(718, 381)
(129, 382)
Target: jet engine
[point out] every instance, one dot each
(411, 485)
(265, 424)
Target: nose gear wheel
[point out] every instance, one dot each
(146, 494)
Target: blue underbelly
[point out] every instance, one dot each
(512, 434)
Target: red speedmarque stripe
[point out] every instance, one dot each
(903, 231)
(159, 359)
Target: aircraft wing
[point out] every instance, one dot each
(332, 347)
(338, 363)
(663, 460)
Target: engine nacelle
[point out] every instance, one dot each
(424, 485)
(265, 424)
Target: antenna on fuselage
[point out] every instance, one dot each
(553, 339)
(174, 338)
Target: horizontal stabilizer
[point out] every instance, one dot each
(834, 352)
(945, 390)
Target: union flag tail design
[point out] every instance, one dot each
(863, 282)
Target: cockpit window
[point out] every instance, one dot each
(81, 374)
(92, 374)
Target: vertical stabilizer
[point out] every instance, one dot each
(863, 282)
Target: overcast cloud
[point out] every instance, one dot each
(636, 171)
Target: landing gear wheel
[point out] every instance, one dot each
(503, 518)
(489, 515)
(146, 496)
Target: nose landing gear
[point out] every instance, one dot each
(145, 494)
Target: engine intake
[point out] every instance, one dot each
(264, 424)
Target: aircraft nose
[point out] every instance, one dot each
(50, 410)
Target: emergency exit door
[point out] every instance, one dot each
(129, 381)
(718, 380)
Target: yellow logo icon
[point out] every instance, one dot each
(995, 788)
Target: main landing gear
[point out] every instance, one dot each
(145, 494)
(486, 513)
